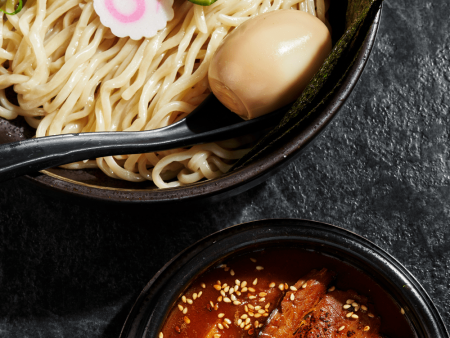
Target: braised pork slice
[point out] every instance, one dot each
(285, 321)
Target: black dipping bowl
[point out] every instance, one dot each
(94, 184)
(161, 293)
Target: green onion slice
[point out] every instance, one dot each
(18, 9)
(203, 2)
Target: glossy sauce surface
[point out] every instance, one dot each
(259, 280)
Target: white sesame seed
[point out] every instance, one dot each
(244, 316)
(304, 286)
(253, 260)
(216, 307)
(348, 315)
(371, 315)
(257, 315)
(187, 320)
(244, 289)
(231, 291)
(233, 297)
(363, 307)
(243, 284)
(180, 307)
(257, 307)
(185, 310)
(251, 290)
(219, 282)
(255, 281)
(262, 299)
(219, 299)
(232, 272)
(224, 286)
(251, 306)
(212, 304)
(161, 335)
(262, 294)
(251, 314)
(190, 301)
(226, 320)
(247, 320)
(332, 289)
(221, 315)
(227, 288)
(217, 287)
(356, 308)
(226, 325)
(242, 325)
(239, 322)
(366, 328)
(293, 288)
(260, 325)
(347, 306)
(272, 285)
(266, 314)
(286, 286)
(227, 300)
(354, 304)
(183, 299)
(203, 285)
(259, 268)
(236, 287)
(194, 296)
(256, 323)
(267, 305)
(247, 327)
(292, 296)
(349, 301)
(261, 311)
(217, 335)
(200, 294)
(238, 282)
(246, 308)
(402, 311)
(236, 302)
(341, 328)
(251, 297)
(238, 293)
(220, 326)
(222, 293)
(281, 287)
(355, 316)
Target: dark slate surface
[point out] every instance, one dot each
(381, 169)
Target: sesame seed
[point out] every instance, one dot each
(222, 293)
(292, 296)
(261, 311)
(180, 307)
(231, 291)
(347, 306)
(356, 308)
(251, 306)
(251, 297)
(348, 315)
(226, 289)
(203, 285)
(262, 299)
(259, 268)
(216, 307)
(255, 281)
(232, 272)
(226, 325)
(272, 285)
(244, 289)
(262, 294)
(257, 315)
(224, 286)
(363, 307)
(266, 314)
(371, 315)
(341, 328)
(183, 299)
(199, 294)
(238, 282)
(247, 321)
(187, 320)
(239, 322)
(219, 299)
(220, 326)
(194, 296)
(354, 304)
(217, 287)
(251, 314)
(244, 316)
(243, 284)
(257, 307)
(332, 289)
(286, 286)
(190, 301)
(247, 327)
(185, 310)
(349, 301)
(293, 288)
(219, 282)
(233, 297)
(217, 335)
(366, 328)
(256, 323)
(253, 260)
(236, 287)
(236, 302)
(226, 320)
(304, 286)
(212, 304)
(221, 315)
(246, 308)
(238, 293)
(402, 311)
(227, 300)
(281, 287)
(355, 316)
(221, 266)
(161, 335)
(251, 290)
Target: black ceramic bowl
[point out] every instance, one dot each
(161, 293)
(94, 184)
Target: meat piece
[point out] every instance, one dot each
(330, 319)
(297, 304)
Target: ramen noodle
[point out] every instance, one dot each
(72, 75)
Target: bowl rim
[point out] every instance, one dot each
(229, 184)
(150, 308)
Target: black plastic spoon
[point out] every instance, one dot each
(209, 122)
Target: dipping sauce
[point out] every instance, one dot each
(236, 298)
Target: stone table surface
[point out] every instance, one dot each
(381, 169)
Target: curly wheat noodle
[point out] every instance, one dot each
(72, 75)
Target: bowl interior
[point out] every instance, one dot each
(159, 296)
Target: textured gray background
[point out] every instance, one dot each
(381, 169)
